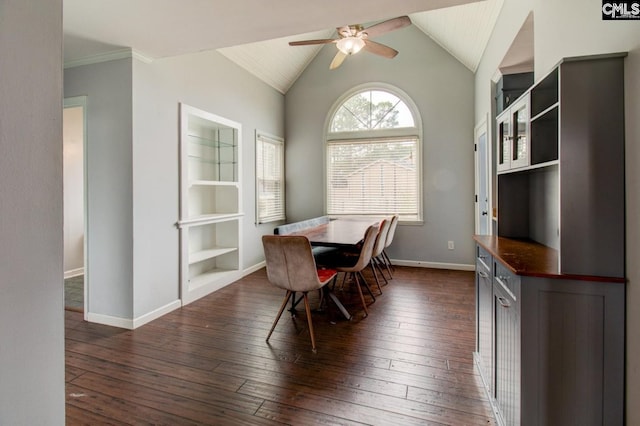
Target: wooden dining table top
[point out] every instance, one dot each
(338, 232)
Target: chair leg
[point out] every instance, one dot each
(364, 304)
(308, 309)
(388, 260)
(284, 304)
(384, 262)
(366, 285)
(379, 263)
(375, 275)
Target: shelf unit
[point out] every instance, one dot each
(557, 263)
(210, 203)
(570, 196)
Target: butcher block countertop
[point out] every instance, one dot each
(528, 258)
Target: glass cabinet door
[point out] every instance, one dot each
(520, 148)
(504, 141)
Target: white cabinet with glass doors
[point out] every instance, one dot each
(210, 203)
(513, 135)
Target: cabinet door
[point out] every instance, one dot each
(484, 309)
(507, 353)
(504, 141)
(520, 152)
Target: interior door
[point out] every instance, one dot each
(482, 201)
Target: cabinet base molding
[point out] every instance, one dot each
(131, 324)
(477, 361)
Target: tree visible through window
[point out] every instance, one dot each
(373, 160)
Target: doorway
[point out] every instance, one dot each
(483, 172)
(74, 196)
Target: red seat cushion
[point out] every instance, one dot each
(325, 274)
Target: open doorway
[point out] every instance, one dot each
(74, 193)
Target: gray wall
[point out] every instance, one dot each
(133, 180)
(575, 28)
(442, 89)
(109, 260)
(31, 289)
(211, 82)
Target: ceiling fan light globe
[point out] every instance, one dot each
(350, 45)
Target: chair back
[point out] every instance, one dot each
(366, 251)
(290, 262)
(392, 230)
(381, 238)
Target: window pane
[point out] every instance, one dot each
(269, 179)
(370, 110)
(373, 177)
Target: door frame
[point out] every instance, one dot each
(73, 102)
(482, 128)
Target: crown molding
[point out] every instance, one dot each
(108, 56)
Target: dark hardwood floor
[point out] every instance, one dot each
(408, 363)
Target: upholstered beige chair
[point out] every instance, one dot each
(361, 263)
(390, 235)
(291, 266)
(377, 261)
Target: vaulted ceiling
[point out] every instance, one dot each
(256, 36)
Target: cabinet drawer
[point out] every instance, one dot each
(509, 280)
(483, 258)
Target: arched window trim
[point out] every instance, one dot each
(378, 134)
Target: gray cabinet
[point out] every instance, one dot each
(551, 351)
(484, 310)
(557, 323)
(557, 341)
(570, 196)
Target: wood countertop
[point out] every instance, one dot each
(528, 258)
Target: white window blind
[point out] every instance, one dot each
(269, 178)
(375, 176)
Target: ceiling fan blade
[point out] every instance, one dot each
(337, 60)
(379, 49)
(386, 26)
(308, 42)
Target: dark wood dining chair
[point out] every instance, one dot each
(291, 266)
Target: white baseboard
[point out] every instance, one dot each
(73, 273)
(435, 265)
(252, 269)
(131, 324)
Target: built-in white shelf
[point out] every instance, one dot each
(210, 202)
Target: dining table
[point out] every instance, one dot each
(338, 233)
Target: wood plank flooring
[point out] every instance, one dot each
(408, 363)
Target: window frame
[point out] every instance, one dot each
(262, 138)
(377, 135)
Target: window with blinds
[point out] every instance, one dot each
(373, 161)
(373, 177)
(269, 178)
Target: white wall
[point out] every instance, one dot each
(109, 262)
(73, 188)
(442, 89)
(574, 28)
(31, 284)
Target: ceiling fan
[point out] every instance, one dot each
(353, 38)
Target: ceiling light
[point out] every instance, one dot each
(350, 45)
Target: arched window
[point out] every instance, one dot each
(373, 157)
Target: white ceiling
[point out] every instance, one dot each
(256, 35)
